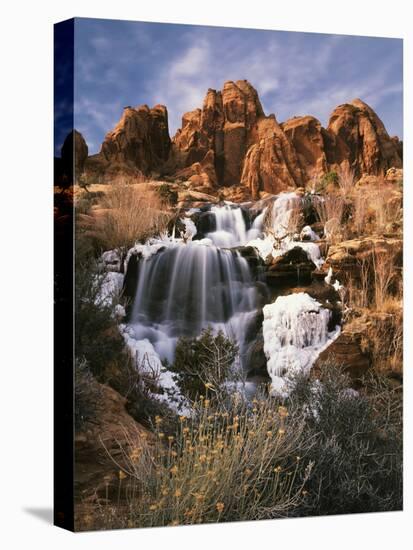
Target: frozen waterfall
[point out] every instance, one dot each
(295, 330)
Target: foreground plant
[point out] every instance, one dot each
(218, 467)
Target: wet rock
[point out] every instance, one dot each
(293, 267)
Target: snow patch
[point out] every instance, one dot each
(147, 361)
(110, 288)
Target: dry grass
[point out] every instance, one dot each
(360, 212)
(220, 466)
(330, 211)
(387, 210)
(346, 179)
(377, 297)
(125, 214)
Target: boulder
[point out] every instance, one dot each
(346, 258)
(293, 267)
(103, 435)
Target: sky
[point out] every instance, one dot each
(119, 63)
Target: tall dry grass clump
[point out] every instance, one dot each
(345, 179)
(360, 212)
(377, 295)
(387, 209)
(220, 466)
(330, 210)
(126, 213)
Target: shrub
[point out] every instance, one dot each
(97, 338)
(83, 402)
(330, 210)
(325, 450)
(167, 194)
(204, 361)
(357, 444)
(345, 179)
(218, 467)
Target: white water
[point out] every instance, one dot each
(295, 330)
(185, 285)
(276, 241)
(231, 229)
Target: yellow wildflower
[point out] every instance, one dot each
(220, 507)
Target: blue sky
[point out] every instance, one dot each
(119, 63)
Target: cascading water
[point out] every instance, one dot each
(185, 285)
(231, 228)
(278, 237)
(186, 288)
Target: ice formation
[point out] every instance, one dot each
(277, 241)
(190, 228)
(308, 234)
(295, 331)
(110, 288)
(148, 362)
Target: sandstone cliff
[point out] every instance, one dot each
(231, 142)
(140, 140)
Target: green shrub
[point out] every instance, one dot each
(167, 194)
(206, 361)
(97, 338)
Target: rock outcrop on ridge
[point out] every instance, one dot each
(230, 141)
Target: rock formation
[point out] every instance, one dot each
(140, 140)
(311, 143)
(360, 138)
(74, 154)
(231, 142)
(247, 147)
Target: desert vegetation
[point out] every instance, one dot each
(123, 213)
(326, 451)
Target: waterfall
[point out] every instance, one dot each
(230, 227)
(295, 330)
(282, 212)
(188, 286)
(277, 238)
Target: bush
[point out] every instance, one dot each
(83, 402)
(357, 444)
(97, 338)
(167, 194)
(126, 214)
(206, 361)
(324, 450)
(218, 467)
